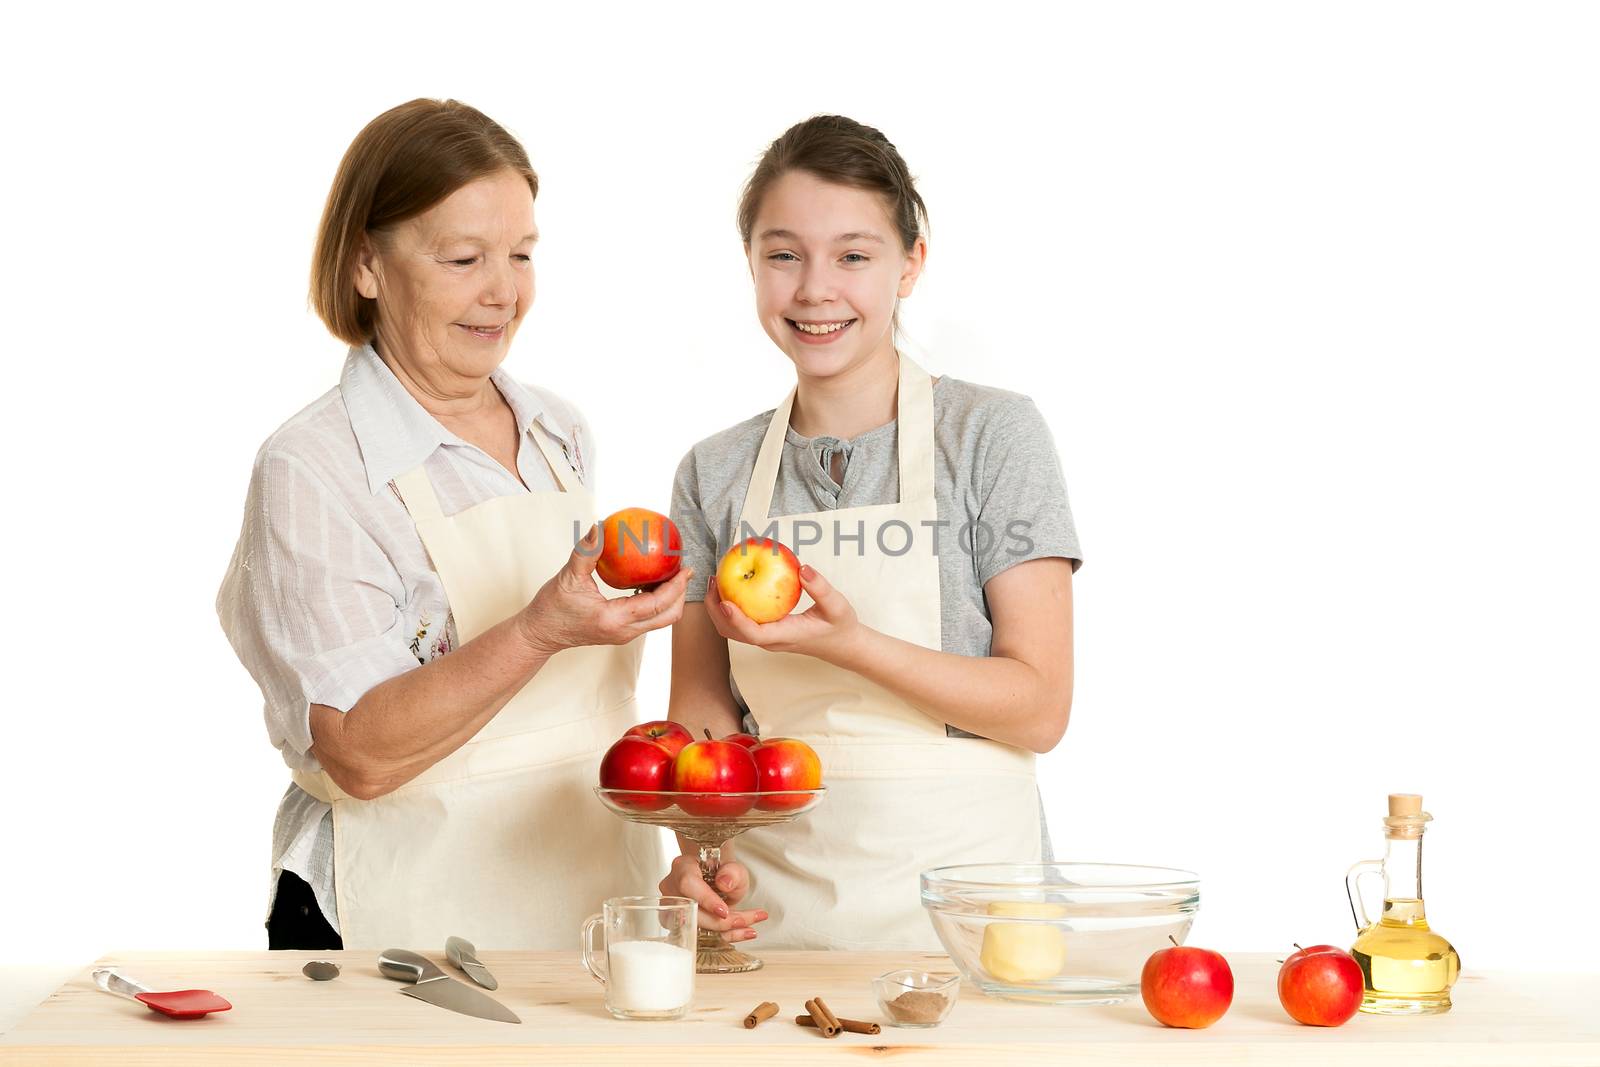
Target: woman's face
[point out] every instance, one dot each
(453, 283)
(829, 270)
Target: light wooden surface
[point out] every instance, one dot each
(281, 1017)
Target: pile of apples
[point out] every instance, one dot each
(1193, 987)
(655, 758)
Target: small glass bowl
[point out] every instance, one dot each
(896, 984)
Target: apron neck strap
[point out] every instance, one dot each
(560, 467)
(416, 493)
(913, 445)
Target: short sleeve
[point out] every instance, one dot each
(1023, 510)
(310, 603)
(699, 542)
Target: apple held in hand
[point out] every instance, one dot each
(1320, 986)
(761, 578)
(785, 763)
(711, 767)
(638, 548)
(1187, 987)
(670, 735)
(638, 763)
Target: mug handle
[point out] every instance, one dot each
(601, 973)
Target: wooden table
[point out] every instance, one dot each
(281, 1017)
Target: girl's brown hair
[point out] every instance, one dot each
(404, 162)
(837, 149)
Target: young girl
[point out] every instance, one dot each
(932, 655)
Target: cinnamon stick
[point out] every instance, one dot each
(849, 1026)
(827, 1022)
(760, 1013)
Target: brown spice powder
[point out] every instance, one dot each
(918, 1006)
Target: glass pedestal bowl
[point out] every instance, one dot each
(1058, 933)
(711, 820)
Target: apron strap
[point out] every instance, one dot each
(560, 468)
(914, 434)
(913, 445)
(416, 493)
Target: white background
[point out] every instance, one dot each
(1306, 292)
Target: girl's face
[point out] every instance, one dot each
(829, 270)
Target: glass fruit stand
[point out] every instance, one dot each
(711, 820)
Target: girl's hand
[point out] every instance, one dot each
(733, 881)
(827, 629)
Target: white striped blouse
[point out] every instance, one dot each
(330, 590)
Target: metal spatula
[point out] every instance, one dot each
(180, 1004)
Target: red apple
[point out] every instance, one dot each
(670, 735)
(638, 548)
(1320, 986)
(743, 740)
(1187, 987)
(638, 763)
(712, 767)
(784, 763)
(761, 578)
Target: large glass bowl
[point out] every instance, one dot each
(1058, 932)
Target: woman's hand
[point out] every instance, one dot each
(569, 610)
(827, 629)
(733, 881)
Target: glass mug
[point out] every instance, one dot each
(647, 963)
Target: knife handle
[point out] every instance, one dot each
(406, 966)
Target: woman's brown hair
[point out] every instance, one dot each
(401, 164)
(841, 150)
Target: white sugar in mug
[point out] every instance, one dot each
(648, 957)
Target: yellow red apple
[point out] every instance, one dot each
(711, 767)
(1320, 986)
(785, 763)
(670, 735)
(638, 548)
(638, 763)
(761, 578)
(1187, 987)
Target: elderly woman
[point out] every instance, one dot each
(440, 669)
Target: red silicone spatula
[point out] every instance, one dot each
(180, 1004)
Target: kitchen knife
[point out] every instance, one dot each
(461, 953)
(437, 988)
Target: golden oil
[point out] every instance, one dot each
(1407, 969)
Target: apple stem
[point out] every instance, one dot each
(1297, 945)
(707, 729)
(1174, 941)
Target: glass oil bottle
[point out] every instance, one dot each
(1406, 967)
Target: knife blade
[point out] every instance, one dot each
(437, 988)
(460, 951)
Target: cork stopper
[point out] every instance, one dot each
(1405, 803)
(1406, 817)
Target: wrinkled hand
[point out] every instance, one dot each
(825, 630)
(569, 610)
(733, 882)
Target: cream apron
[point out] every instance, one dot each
(503, 841)
(901, 796)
